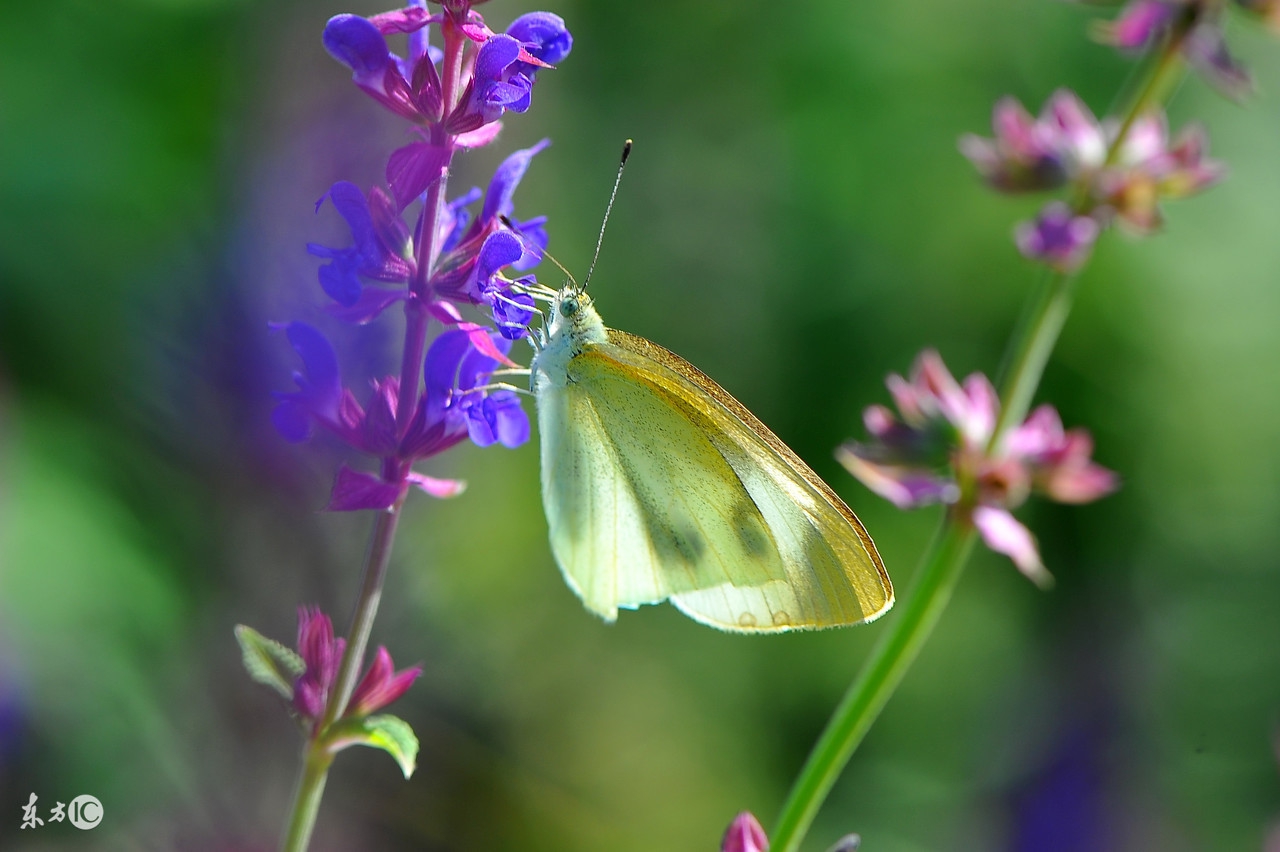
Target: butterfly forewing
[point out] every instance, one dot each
(645, 505)
(659, 484)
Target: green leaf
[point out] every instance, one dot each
(269, 662)
(389, 733)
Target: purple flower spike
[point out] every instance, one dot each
(381, 685)
(1058, 237)
(744, 835)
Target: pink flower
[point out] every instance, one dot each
(744, 835)
(940, 452)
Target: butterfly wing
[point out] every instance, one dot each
(658, 484)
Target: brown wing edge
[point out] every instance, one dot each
(672, 361)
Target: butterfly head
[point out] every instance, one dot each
(573, 317)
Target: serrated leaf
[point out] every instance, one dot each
(389, 733)
(269, 662)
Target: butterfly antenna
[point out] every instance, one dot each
(622, 163)
(511, 225)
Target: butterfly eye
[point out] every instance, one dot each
(568, 307)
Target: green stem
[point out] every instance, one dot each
(880, 676)
(923, 605)
(1038, 336)
(375, 574)
(315, 769)
(316, 757)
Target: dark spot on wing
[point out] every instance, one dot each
(682, 542)
(752, 534)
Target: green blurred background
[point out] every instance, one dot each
(796, 221)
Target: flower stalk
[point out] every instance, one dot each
(441, 395)
(870, 691)
(944, 560)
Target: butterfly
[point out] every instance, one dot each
(659, 485)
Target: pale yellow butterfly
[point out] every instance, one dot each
(659, 485)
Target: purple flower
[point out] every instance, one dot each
(506, 68)
(382, 250)
(744, 835)
(319, 385)
(544, 37)
(939, 452)
(1058, 237)
(322, 654)
(1141, 24)
(453, 408)
(381, 685)
(457, 274)
(429, 271)
(360, 44)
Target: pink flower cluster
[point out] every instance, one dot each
(1067, 144)
(938, 449)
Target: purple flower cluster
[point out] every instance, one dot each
(1118, 179)
(938, 450)
(454, 96)
(321, 653)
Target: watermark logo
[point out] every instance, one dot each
(85, 812)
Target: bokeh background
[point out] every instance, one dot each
(797, 221)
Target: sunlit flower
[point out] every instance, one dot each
(938, 451)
